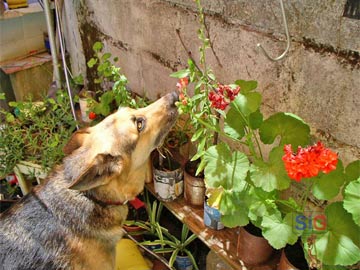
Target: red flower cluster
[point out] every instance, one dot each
(308, 162)
(222, 96)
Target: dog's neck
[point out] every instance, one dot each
(104, 203)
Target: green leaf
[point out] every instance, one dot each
(280, 231)
(197, 134)
(246, 103)
(225, 168)
(234, 209)
(92, 62)
(255, 120)
(9, 118)
(270, 175)
(180, 74)
(352, 200)
(97, 46)
(289, 127)
(352, 171)
(246, 86)
(234, 125)
(327, 186)
(340, 244)
(105, 56)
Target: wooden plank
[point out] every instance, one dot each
(223, 242)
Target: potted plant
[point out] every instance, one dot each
(33, 135)
(247, 183)
(110, 86)
(167, 175)
(180, 254)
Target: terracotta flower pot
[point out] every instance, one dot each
(135, 231)
(252, 248)
(194, 186)
(292, 258)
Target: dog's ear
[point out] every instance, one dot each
(76, 140)
(99, 172)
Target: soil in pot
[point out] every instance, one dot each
(194, 186)
(293, 258)
(252, 248)
(168, 179)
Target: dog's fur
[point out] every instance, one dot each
(73, 220)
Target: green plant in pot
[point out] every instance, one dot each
(248, 178)
(111, 91)
(179, 248)
(167, 175)
(35, 132)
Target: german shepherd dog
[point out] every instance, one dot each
(74, 219)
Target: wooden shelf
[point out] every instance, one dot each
(223, 242)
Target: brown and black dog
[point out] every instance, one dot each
(74, 220)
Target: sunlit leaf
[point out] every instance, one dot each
(270, 175)
(291, 129)
(352, 200)
(280, 231)
(327, 186)
(225, 168)
(340, 243)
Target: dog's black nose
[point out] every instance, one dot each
(174, 96)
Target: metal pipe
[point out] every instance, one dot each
(62, 49)
(50, 27)
(287, 37)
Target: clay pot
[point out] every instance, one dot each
(252, 248)
(194, 187)
(135, 231)
(292, 258)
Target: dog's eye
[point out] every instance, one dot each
(140, 124)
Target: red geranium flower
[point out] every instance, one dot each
(308, 162)
(222, 96)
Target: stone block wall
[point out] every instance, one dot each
(319, 79)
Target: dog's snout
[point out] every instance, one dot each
(173, 97)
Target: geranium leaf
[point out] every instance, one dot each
(234, 125)
(327, 186)
(352, 171)
(255, 120)
(340, 243)
(280, 231)
(233, 209)
(289, 127)
(225, 168)
(246, 103)
(270, 175)
(352, 200)
(246, 86)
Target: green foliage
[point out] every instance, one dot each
(37, 132)
(246, 177)
(112, 91)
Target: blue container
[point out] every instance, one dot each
(212, 217)
(183, 263)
